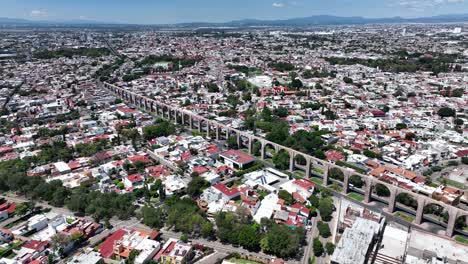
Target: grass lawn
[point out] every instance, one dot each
(461, 239)
(242, 261)
(405, 217)
(318, 170)
(455, 184)
(356, 196)
(299, 174)
(312, 260)
(317, 180)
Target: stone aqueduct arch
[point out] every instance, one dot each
(311, 162)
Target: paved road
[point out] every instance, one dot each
(308, 250)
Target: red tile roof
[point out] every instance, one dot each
(35, 244)
(462, 153)
(135, 178)
(200, 169)
(304, 183)
(334, 155)
(107, 247)
(225, 190)
(238, 156)
(136, 158)
(124, 109)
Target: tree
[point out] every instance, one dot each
(330, 248)
(249, 237)
(336, 174)
(281, 112)
(152, 217)
(324, 229)
(401, 126)
(161, 129)
(382, 190)
(184, 238)
(281, 241)
(232, 142)
(458, 122)
(296, 84)
(318, 247)
(279, 132)
(407, 200)
(286, 196)
(330, 115)
(132, 256)
(266, 114)
(356, 181)
(347, 80)
(464, 160)
(326, 208)
(247, 97)
(446, 112)
(257, 146)
(314, 201)
(371, 154)
(213, 88)
(196, 186)
(207, 229)
(59, 241)
(281, 160)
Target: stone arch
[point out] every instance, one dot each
(244, 141)
(433, 212)
(282, 159)
(201, 125)
(299, 159)
(268, 150)
(232, 140)
(140, 103)
(436, 211)
(407, 199)
(381, 190)
(461, 223)
(336, 173)
(317, 169)
(210, 129)
(299, 164)
(357, 181)
(164, 110)
(185, 118)
(256, 147)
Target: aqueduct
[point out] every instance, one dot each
(322, 168)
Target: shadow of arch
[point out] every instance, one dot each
(461, 224)
(436, 211)
(269, 150)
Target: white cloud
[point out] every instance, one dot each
(279, 5)
(421, 5)
(38, 13)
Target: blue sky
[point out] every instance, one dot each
(173, 11)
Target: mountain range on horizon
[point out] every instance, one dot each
(299, 21)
